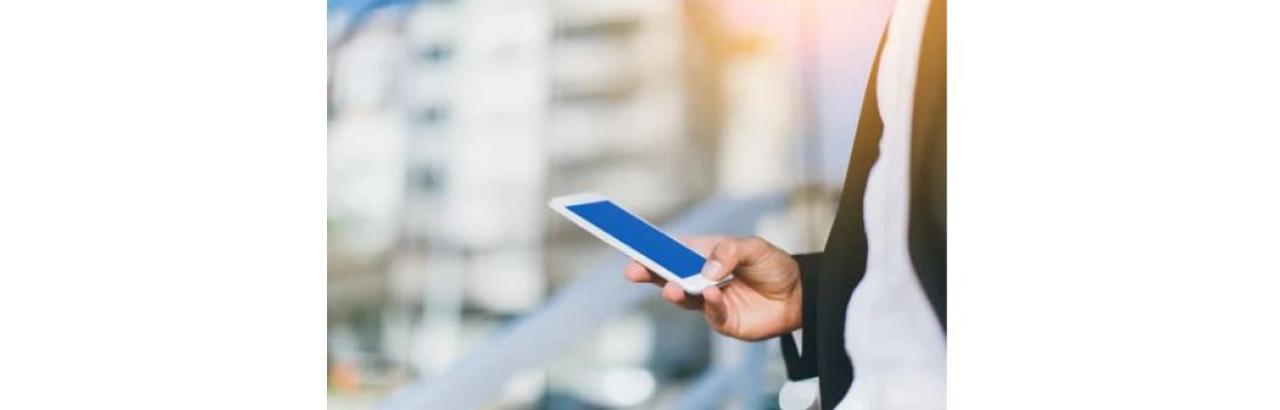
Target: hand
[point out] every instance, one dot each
(762, 301)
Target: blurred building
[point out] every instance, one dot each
(452, 122)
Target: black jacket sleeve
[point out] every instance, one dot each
(803, 364)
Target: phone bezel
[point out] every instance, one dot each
(693, 284)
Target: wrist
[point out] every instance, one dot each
(793, 317)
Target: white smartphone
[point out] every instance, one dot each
(637, 238)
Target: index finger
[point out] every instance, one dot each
(639, 274)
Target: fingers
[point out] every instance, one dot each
(636, 273)
(713, 296)
(714, 306)
(672, 292)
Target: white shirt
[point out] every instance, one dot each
(893, 339)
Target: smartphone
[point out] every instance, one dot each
(637, 238)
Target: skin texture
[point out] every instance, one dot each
(762, 301)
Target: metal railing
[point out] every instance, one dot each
(580, 308)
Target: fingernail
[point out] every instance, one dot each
(711, 270)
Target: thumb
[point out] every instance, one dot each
(723, 259)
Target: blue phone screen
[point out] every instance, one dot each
(642, 237)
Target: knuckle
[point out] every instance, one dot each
(757, 246)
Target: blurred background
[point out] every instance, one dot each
(452, 122)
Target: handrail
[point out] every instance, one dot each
(737, 373)
(572, 313)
